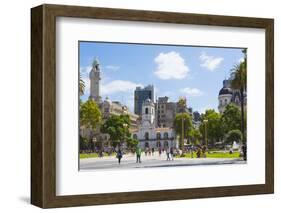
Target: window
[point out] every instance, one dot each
(146, 110)
(158, 136)
(225, 101)
(135, 136)
(158, 144)
(166, 135)
(146, 136)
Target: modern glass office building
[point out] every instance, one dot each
(141, 94)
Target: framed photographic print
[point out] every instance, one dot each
(137, 106)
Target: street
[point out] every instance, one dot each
(129, 162)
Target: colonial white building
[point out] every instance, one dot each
(148, 134)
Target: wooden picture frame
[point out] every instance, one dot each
(43, 105)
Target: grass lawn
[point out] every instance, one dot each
(216, 155)
(93, 155)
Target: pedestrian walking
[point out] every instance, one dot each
(152, 151)
(138, 152)
(168, 153)
(100, 153)
(160, 151)
(119, 155)
(244, 150)
(172, 153)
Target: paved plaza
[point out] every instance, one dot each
(129, 162)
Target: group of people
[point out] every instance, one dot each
(169, 153)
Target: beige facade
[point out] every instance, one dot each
(165, 112)
(109, 108)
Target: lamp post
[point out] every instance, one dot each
(94, 140)
(206, 137)
(182, 130)
(125, 125)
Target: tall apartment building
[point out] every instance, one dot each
(142, 94)
(165, 112)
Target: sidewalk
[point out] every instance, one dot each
(129, 161)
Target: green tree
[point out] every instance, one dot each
(183, 126)
(117, 126)
(84, 143)
(90, 115)
(239, 82)
(195, 136)
(233, 135)
(132, 143)
(231, 118)
(213, 127)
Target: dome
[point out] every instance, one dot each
(96, 62)
(107, 100)
(148, 101)
(225, 91)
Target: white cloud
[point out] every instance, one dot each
(192, 92)
(129, 102)
(170, 66)
(112, 67)
(84, 72)
(240, 60)
(118, 86)
(203, 109)
(210, 62)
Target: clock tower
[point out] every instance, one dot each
(95, 82)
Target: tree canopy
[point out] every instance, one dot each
(233, 135)
(213, 128)
(183, 121)
(81, 86)
(117, 126)
(90, 115)
(231, 118)
(239, 82)
(195, 135)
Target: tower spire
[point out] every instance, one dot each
(95, 81)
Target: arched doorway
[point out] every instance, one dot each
(146, 145)
(158, 144)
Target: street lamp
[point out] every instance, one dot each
(182, 130)
(94, 140)
(125, 125)
(206, 139)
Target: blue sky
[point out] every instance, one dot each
(175, 71)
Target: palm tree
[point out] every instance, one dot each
(182, 106)
(81, 86)
(239, 82)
